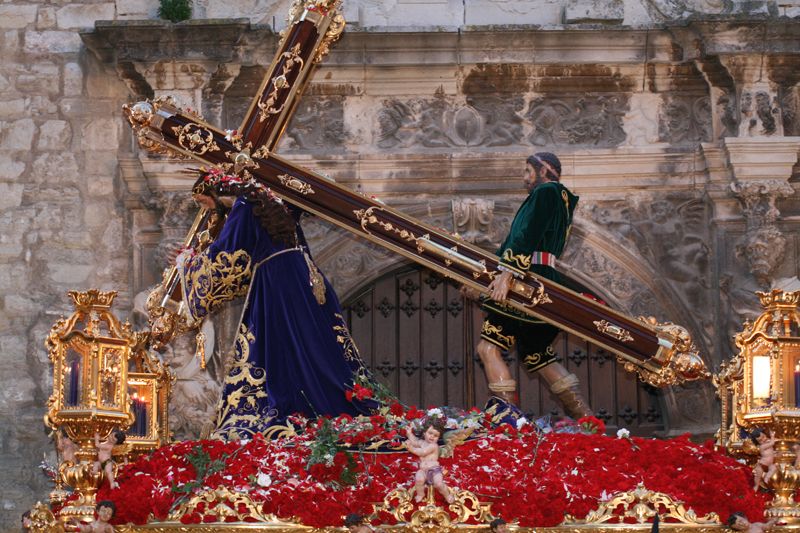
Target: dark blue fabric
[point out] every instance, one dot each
(293, 354)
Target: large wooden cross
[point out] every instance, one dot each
(661, 354)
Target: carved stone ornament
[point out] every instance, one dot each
(318, 125)
(685, 120)
(760, 114)
(472, 219)
(441, 122)
(763, 246)
(590, 119)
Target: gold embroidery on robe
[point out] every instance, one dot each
(211, 283)
(345, 340)
(494, 334)
(520, 262)
(535, 361)
(245, 384)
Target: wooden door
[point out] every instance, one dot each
(418, 335)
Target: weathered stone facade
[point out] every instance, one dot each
(678, 124)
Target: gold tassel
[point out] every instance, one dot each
(200, 351)
(316, 280)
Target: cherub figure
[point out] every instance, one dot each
(104, 454)
(765, 467)
(105, 512)
(739, 522)
(65, 447)
(427, 449)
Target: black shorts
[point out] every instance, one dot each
(531, 336)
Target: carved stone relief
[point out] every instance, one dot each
(763, 246)
(760, 114)
(729, 118)
(441, 122)
(671, 235)
(590, 119)
(473, 218)
(668, 10)
(685, 119)
(790, 106)
(318, 123)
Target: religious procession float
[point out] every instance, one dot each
(400, 467)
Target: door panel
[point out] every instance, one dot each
(418, 336)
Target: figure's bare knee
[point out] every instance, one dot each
(488, 352)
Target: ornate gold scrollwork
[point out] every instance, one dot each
(195, 138)
(141, 115)
(368, 216)
(400, 504)
(678, 357)
(331, 36)
(296, 184)
(280, 83)
(262, 152)
(535, 296)
(642, 504)
(612, 330)
(224, 502)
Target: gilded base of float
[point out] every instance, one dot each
(280, 528)
(631, 511)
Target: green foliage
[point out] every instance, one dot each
(203, 467)
(324, 449)
(175, 10)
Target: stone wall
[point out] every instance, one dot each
(676, 122)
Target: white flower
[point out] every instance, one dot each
(263, 479)
(452, 423)
(521, 422)
(435, 412)
(623, 433)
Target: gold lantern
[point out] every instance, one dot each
(149, 387)
(760, 388)
(89, 352)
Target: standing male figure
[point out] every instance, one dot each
(536, 239)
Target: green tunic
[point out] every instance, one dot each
(541, 224)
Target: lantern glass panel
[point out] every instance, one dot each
(762, 380)
(73, 363)
(110, 377)
(141, 405)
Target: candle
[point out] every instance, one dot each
(761, 379)
(74, 376)
(797, 385)
(140, 416)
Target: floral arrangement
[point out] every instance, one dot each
(331, 467)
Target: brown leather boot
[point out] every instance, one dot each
(568, 391)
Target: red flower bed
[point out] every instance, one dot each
(528, 477)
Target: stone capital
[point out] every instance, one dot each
(762, 158)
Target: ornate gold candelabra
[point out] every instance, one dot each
(760, 388)
(90, 352)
